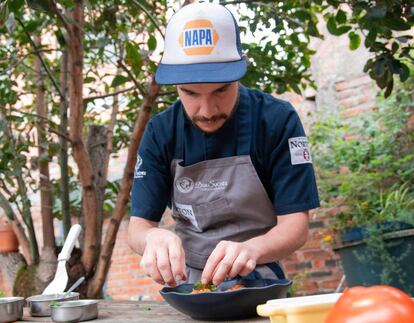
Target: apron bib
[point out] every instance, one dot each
(220, 199)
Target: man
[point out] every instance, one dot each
(232, 163)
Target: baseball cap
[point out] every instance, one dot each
(202, 45)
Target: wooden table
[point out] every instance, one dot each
(135, 311)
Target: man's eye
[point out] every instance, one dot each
(221, 90)
(190, 93)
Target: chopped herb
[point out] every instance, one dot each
(55, 304)
(209, 287)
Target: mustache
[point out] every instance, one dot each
(213, 118)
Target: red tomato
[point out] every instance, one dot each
(376, 304)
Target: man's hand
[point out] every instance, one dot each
(229, 259)
(164, 258)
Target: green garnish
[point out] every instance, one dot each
(210, 286)
(55, 304)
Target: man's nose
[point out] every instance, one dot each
(207, 108)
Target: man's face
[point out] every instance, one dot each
(208, 105)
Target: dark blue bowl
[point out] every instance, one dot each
(223, 304)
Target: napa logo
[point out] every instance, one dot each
(198, 37)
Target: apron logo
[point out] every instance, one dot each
(184, 184)
(198, 37)
(299, 151)
(211, 185)
(137, 173)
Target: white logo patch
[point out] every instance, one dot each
(137, 173)
(184, 184)
(187, 212)
(299, 151)
(212, 185)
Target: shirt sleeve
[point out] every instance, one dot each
(151, 186)
(292, 176)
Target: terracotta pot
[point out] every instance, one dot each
(8, 239)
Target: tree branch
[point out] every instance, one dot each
(103, 96)
(55, 84)
(149, 16)
(138, 86)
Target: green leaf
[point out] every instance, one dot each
(119, 80)
(133, 58)
(343, 30)
(295, 88)
(152, 43)
(377, 12)
(41, 5)
(388, 91)
(4, 13)
(404, 39)
(331, 25)
(404, 72)
(397, 24)
(16, 6)
(60, 38)
(89, 79)
(340, 17)
(303, 15)
(334, 30)
(354, 40)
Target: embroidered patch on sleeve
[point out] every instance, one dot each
(299, 151)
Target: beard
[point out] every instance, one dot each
(214, 118)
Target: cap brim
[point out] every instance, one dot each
(223, 72)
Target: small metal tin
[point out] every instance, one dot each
(40, 304)
(11, 309)
(75, 311)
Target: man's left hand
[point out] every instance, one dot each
(229, 259)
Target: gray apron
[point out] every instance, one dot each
(220, 199)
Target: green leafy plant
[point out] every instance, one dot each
(2, 293)
(366, 165)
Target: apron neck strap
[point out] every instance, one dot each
(244, 124)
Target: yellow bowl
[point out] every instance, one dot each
(306, 309)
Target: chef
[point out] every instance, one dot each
(232, 163)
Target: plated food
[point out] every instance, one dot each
(199, 287)
(232, 299)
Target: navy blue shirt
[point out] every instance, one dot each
(278, 150)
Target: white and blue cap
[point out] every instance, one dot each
(202, 45)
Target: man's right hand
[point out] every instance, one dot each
(164, 258)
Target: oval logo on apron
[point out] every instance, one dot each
(184, 184)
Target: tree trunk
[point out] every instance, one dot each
(76, 126)
(11, 263)
(63, 154)
(46, 207)
(95, 286)
(97, 143)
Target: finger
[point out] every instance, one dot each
(238, 266)
(149, 263)
(211, 265)
(164, 266)
(223, 269)
(177, 260)
(249, 266)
